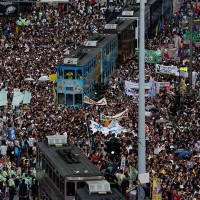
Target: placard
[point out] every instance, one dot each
(144, 178)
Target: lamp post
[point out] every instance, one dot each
(1, 31)
(191, 57)
(141, 120)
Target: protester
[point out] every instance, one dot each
(34, 49)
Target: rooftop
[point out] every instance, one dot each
(114, 195)
(81, 168)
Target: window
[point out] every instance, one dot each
(61, 184)
(60, 73)
(80, 185)
(70, 189)
(69, 99)
(79, 74)
(69, 74)
(57, 181)
(61, 98)
(70, 89)
(78, 99)
(54, 177)
(50, 173)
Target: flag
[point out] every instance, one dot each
(152, 57)
(197, 7)
(52, 77)
(157, 29)
(54, 94)
(156, 193)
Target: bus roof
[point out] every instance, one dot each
(84, 168)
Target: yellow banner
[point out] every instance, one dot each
(156, 193)
(184, 69)
(52, 77)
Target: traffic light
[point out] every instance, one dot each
(113, 147)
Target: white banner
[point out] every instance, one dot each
(131, 88)
(114, 127)
(3, 98)
(162, 69)
(115, 117)
(101, 102)
(123, 163)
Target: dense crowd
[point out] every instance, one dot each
(34, 50)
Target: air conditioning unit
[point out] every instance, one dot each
(101, 186)
(56, 139)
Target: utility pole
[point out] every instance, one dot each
(141, 119)
(191, 57)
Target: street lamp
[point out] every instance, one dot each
(1, 31)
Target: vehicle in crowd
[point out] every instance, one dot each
(62, 168)
(89, 67)
(98, 190)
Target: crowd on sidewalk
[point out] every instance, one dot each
(34, 50)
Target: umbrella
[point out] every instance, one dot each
(185, 154)
(44, 78)
(149, 107)
(161, 120)
(178, 151)
(154, 109)
(29, 79)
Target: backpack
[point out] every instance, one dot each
(16, 150)
(23, 190)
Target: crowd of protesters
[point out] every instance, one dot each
(34, 50)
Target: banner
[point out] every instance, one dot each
(3, 98)
(114, 127)
(27, 97)
(9, 9)
(101, 102)
(17, 98)
(161, 85)
(11, 133)
(156, 193)
(131, 89)
(118, 116)
(123, 163)
(152, 57)
(162, 69)
(195, 36)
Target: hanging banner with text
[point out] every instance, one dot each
(118, 116)
(114, 127)
(162, 69)
(101, 102)
(132, 89)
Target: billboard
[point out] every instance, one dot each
(9, 9)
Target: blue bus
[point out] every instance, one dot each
(87, 66)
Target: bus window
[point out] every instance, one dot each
(60, 73)
(79, 74)
(80, 185)
(69, 99)
(70, 188)
(69, 74)
(78, 99)
(62, 184)
(61, 98)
